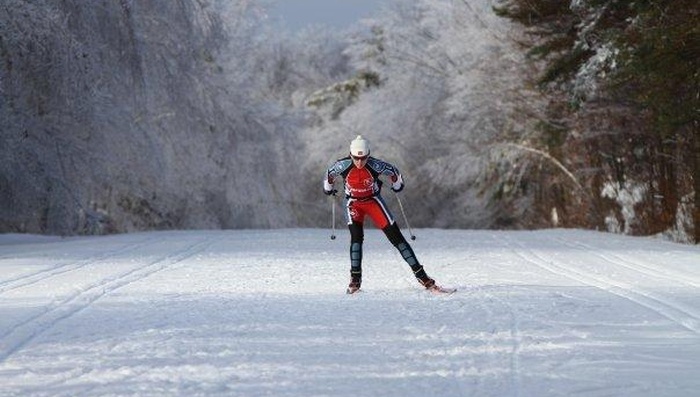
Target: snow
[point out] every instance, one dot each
(627, 195)
(263, 312)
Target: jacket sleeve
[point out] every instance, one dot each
(390, 171)
(333, 172)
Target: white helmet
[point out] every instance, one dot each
(359, 147)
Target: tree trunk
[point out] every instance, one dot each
(696, 181)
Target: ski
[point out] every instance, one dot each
(438, 290)
(435, 289)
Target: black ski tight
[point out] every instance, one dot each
(393, 233)
(357, 236)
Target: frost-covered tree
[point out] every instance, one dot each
(129, 115)
(447, 87)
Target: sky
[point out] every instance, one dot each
(297, 14)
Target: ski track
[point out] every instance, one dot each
(638, 266)
(514, 339)
(480, 341)
(58, 269)
(674, 311)
(23, 333)
(497, 308)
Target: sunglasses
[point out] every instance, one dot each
(360, 158)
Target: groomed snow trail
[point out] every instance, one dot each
(263, 313)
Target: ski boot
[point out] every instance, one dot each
(354, 285)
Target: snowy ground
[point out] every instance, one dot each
(252, 313)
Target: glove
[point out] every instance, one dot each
(328, 188)
(397, 183)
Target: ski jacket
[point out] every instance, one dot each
(362, 183)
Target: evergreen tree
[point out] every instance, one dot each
(623, 78)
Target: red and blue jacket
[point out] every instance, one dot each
(362, 183)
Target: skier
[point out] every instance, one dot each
(362, 198)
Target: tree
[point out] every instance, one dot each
(447, 87)
(121, 115)
(618, 74)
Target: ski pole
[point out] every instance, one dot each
(413, 236)
(332, 217)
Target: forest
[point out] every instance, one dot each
(122, 116)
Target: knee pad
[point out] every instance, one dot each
(407, 254)
(356, 257)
